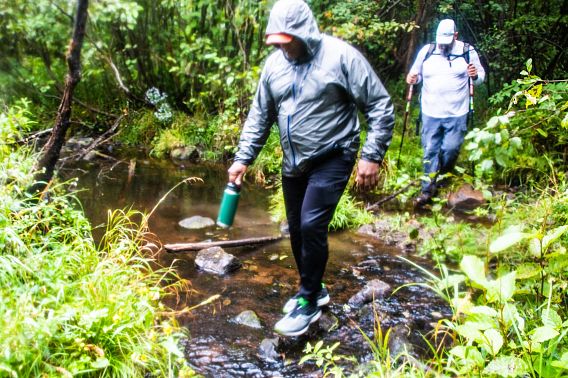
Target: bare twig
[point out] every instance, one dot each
(377, 204)
(101, 139)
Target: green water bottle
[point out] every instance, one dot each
(229, 203)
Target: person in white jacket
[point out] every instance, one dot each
(445, 70)
(313, 86)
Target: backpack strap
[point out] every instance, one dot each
(466, 52)
(431, 49)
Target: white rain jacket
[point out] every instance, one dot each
(315, 101)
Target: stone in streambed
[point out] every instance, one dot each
(196, 222)
(215, 260)
(248, 318)
(374, 289)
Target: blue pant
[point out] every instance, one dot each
(441, 141)
(310, 201)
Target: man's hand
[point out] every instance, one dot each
(412, 78)
(236, 173)
(367, 174)
(472, 71)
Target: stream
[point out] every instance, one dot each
(220, 347)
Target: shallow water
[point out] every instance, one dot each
(218, 347)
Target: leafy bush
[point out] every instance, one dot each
(529, 141)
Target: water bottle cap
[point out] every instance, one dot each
(234, 187)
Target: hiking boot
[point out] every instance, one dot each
(322, 300)
(422, 200)
(297, 322)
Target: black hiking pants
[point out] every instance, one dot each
(310, 201)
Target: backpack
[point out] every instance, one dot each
(465, 53)
(431, 48)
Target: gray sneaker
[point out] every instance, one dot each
(299, 319)
(323, 299)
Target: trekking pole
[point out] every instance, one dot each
(406, 111)
(470, 103)
(470, 118)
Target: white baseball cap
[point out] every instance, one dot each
(445, 32)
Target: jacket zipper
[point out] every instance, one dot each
(295, 98)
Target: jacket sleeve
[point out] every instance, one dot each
(372, 99)
(256, 129)
(417, 65)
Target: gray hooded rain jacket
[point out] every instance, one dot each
(315, 101)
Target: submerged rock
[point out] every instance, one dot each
(374, 289)
(248, 318)
(196, 222)
(267, 349)
(215, 260)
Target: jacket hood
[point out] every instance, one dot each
(295, 17)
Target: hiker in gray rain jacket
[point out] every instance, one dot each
(312, 87)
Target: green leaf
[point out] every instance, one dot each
(100, 363)
(484, 310)
(501, 289)
(171, 346)
(474, 269)
(506, 366)
(470, 331)
(528, 270)
(494, 340)
(493, 121)
(562, 363)
(553, 235)
(534, 247)
(542, 334)
(507, 240)
(550, 318)
(486, 165)
(564, 122)
(542, 132)
(516, 142)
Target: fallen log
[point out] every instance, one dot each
(181, 247)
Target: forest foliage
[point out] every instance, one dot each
(183, 72)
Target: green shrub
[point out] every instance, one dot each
(70, 307)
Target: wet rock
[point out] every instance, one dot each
(196, 222)
(369, 313)
(374, 289)
(248, 318)
(190, 153)
(328, 322)
(398, 341)
(466, 198)
(268, 349)
(215, 260)
(382, 230)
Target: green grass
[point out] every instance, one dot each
(67, 305)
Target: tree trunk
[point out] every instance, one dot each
(51, 151)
